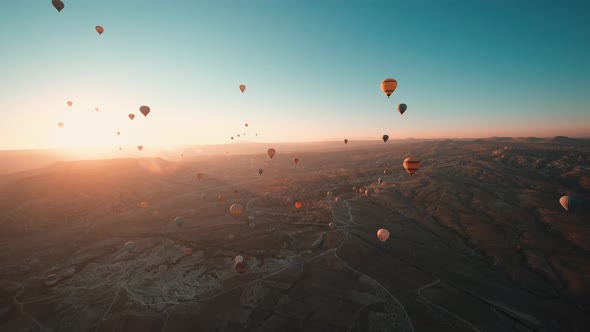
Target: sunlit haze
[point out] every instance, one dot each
(312, 71)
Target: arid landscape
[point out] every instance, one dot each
(479, 241)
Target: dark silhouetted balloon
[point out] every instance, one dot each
(383, 234)
(260, 170)
(346, 141)
(401, 108)
(385, 138)
(271, 152)
(58, 4)
(145, 110)
(296, 161)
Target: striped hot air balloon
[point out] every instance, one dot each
(388, 85)
(411, 165)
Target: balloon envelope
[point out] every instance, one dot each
(298, 205)
(129, 246)
(243, 88)
(145, 110)
(411, 165)
(70, 103)
(131, 116)
(118, 133)
(238, 258)
(58, 4)
(296, 160)
(401, 108)
(271, 152)
(99, 29)
(383, 234)
(179, 221)
(385, 138)
(346, 141)
(221, 198)
(260, 170)
(236, 210)
(569, 203)
(388, 85)
(60, 124)
(140, 147)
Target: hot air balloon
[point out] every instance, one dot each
(367, 192)
(329, 194)
(144, 205)
(145, 110)
(140, 147)
(242, 88)
(120, 148)
(236, 210)
(118, 133)
(241, 267)
(131, 116)
(221, 198)
(246, 125)
(388, 85)
(60, 124)
(383, 234)
(346, 141)
(97, 109)
(354, 189)
(385, 138)
(199, 176)
(296, 161)
(260, 170)
(298, 205)
(238, 258)
(380, 180)
(129, 246)
(570, 203)
(232, 138)
(385, 171)
(188, 251)
(70, 103)
(179, 221)
(238, 135)
(401, 108)
(332, 225)
(51, 279)
(411, 165)
(271, 152)
(99, 29)
(58, 4)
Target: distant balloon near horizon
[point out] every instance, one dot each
(60, 124)
(236, 210)
(385, 138)
(260, 170)
(131, 116)
(401, 108)
(99, 29)
(179, 221)
(383, 234)
(58, 4)
(246, 125)
(271, 152)
(232, 138)
(140, 147)
(118, 133)
(298, 205)
(388, 85)
(346, 141)
(143, 205)
(70, 103)
(242, 88)
(296, 161)
(97, 109)
(411, 165)
(145, 110)
(221, 198)
(129, 246)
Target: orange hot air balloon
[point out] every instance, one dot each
(145, 110)
(298, 205)
(99, 29)
(70, 103)
(221, 198)
(188, 251)
(241, 266)
(271, 152)
(236, 210)
(388, 85)
(118, 133)
(97, 109)
(140, 147)
(296, 161)
(242, 88)
(199, 176)
(411, 165)
(58, 4)
(144, 205)
(346, 141)
(131, 116)
(60, 124)
(383, 234)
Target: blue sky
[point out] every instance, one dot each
(471, 68)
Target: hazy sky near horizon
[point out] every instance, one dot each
(312, 69)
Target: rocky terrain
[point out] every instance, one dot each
(478, 241)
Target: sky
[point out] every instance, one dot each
(465, 68)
